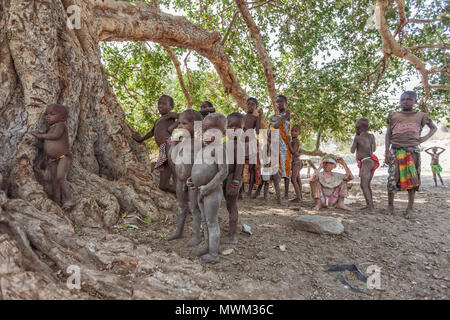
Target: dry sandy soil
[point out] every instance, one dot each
(413, 254)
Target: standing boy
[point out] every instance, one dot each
(270, 171)
(162, 131)
(402, 149)
(252, 123)
(364, 145)
(181, 163)
(207, 176)
(232, 184)
(283, 124)
(206, 108)
(435, 166)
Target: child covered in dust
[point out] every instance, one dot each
(232, 184)
(207, 175)
(364, 145)
(182, 165)
(161, 131)
(56, 147)
(435, 166)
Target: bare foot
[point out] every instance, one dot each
(204, 250)
(317, 207)
(390, 210)
(209, 258)
(370, 210)
(229, 240)
(409, 214)
(193, 242)
(296, 200)
(174, 236)
(343, 207)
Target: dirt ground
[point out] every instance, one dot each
(413, 254)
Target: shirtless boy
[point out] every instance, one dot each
(270, 170)
(253, 123)
(206, 179)
(161, 131)
(56, 147)
(283, 124)
(364, 145)
(182, 166)
(435, 166)
(232, 184)
(402, 149)
(296, 163)
(206, 108)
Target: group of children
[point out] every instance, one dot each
(200, 185)
(402, 153)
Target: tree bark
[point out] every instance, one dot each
(43, 61)
(392, 46)
(177, 66)
(262, 52)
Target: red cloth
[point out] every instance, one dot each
(375, 166)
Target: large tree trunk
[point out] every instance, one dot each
(42, 61)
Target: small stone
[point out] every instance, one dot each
(319, 224)
(412, 268)
(227, 251)
(283, 247)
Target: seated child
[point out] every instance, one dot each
(56, 146)
(162, 130)
(435, 166)
(364, 145)
(207, 175)
(232, 184)
(182, 167)
(329, 188)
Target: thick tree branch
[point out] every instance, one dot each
(391, 46)
(438, 70)
(423, 20)
(430, 46)
(440, 86)
(138, 21)
(263, 56)
(177, 65)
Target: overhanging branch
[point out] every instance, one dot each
(139, 21)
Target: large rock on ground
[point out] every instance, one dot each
(319, 224)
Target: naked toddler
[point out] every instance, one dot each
(56, 147)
